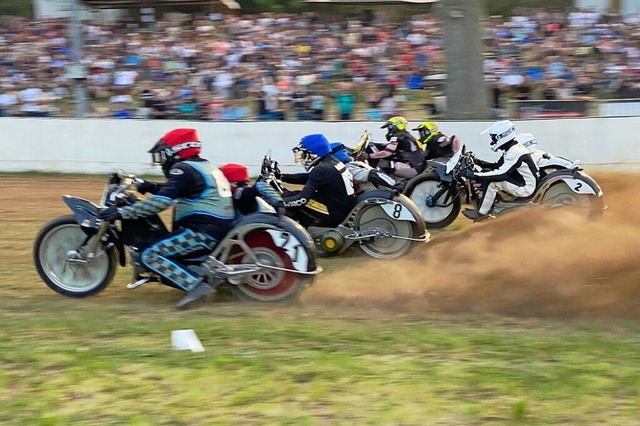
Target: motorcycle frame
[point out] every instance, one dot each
(452, 188)
(348, 226)
(106, 233)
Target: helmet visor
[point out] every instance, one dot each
(159, 153)
(299, 154)
(298, 157)
(158, 158)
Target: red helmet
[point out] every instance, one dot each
(178, 144)
(235, 172)
(184, 143)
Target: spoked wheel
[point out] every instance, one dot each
(374, 218)
(434, 213)
(561, 195)
(267, 285)
(61, 262)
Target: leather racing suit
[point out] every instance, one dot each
(203, 214)
(515, 173)
(327, 196)
(408, 155)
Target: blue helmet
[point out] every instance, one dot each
(316, 144)
(311, 149)
(340, 153)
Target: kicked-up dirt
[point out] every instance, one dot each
(534, 262)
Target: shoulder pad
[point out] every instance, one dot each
(175, 171)
(179, 168)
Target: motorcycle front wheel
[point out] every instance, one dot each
(269, 284)
(60, 260)
(437, 212)
(375, 219)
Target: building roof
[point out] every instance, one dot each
(126, 4)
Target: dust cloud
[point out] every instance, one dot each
(532, 263)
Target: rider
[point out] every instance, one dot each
(203, 214)
(409, 157)
(434, 143)
(244, 195)
(515, 172)
(328, 193)
(361, 171)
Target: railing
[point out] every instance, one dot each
(619, 108)
(574, 108)
(550, 109)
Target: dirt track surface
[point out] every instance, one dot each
(530, 263)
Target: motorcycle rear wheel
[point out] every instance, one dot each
(55, 253)
(267, 285)
(434, 217)
(561, 195)
(374, 217)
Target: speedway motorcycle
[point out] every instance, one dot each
(265, 257)
(383, 224)
(439, 195)
(444, 185)
(414, 188)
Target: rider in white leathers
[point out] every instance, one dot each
(515, 172)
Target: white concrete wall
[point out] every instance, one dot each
(102, 145)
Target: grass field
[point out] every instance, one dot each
(486, 324)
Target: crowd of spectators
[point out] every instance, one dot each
(306, 67)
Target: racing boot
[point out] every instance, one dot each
(198, 294)
(475, 215)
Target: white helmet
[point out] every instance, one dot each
(500, 132)
(528, 140)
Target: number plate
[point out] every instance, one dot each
(294, 249)
(579, 186)
(397, 211)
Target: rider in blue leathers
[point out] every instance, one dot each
(328, 194)
(204, 210)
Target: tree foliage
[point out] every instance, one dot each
(507, 7)
(16, 8)
(491, 7)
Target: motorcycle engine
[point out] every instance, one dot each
(329, 242)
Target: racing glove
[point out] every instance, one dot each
(147, 186)
(110, 214)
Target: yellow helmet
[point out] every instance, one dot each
(395, 124)
(426, 128)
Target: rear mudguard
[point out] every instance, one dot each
(579, 182)
(576, 180)
(385, 196)
(273, 221)
(86, 214)
(419, 227)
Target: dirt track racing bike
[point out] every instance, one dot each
(560, 188)
(265, 257)
(383, 223)
(417, 188)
